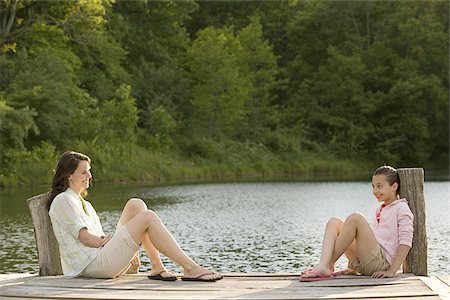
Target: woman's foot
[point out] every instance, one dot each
(163, 273)
(199, 273)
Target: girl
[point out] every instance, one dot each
(87, 251)
(376, 250)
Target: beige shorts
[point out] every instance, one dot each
(114, 258)
(373, 262)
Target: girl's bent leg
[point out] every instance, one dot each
(353, 237)
(326, 266)
(355, 230)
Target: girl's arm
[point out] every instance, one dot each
(402, 252)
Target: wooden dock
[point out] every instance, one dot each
(233, 286)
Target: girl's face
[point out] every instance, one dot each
(80, 178)
(382, 190)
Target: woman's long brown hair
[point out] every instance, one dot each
(67, 164)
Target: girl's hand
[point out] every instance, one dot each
(383, 274)
(105, 239)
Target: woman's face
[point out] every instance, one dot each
(80, 178)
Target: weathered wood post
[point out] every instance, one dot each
(46, 243)
(411, 188)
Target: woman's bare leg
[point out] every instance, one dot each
(352, 237)
(133, 207)
(146, 224)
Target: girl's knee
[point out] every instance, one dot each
(355, 217)
(335, 222)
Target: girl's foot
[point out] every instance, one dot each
(345, 272)
(324, 271)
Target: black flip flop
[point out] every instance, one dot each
(159, 277)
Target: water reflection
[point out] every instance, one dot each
(235, 227)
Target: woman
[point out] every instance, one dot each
(87, 251)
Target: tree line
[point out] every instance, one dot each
(180, 89)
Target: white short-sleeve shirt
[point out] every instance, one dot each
(68, 217)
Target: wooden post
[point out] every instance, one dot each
(46, 243)
(411, 188)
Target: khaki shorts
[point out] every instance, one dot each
(373, 262)
(114, 258)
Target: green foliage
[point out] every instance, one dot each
(47, 86)
(109, 122)
(194, 90)
(220, 91)
(259, 64)
(360, 81)
(161, 128)
(102, 56)
(153, 34)
(26, 167)
(15, 124)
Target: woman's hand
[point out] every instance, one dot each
(383, 274)
(135, 261)
(105, 239)
(93, 240)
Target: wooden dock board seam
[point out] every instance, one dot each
(438, 285)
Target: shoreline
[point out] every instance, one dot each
(333, 176)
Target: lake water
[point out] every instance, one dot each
(233, 227)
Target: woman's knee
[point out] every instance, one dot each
(136, 205)
(149, 216)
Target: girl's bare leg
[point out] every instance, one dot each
(325, 265)
(146, 224)
(352, 237)
(356, 228)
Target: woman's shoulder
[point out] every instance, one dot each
(65, 194)
(62, 197)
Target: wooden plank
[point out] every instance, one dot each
(438, 285)
(411, 188)
(6, 279)
(232, 287)
(445, 279)
(144, 283)
(249, 293)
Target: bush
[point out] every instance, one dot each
(28, 167)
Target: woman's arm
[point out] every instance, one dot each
(402, 252)
(92, 240)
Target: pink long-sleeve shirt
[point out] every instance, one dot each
(394, 227)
